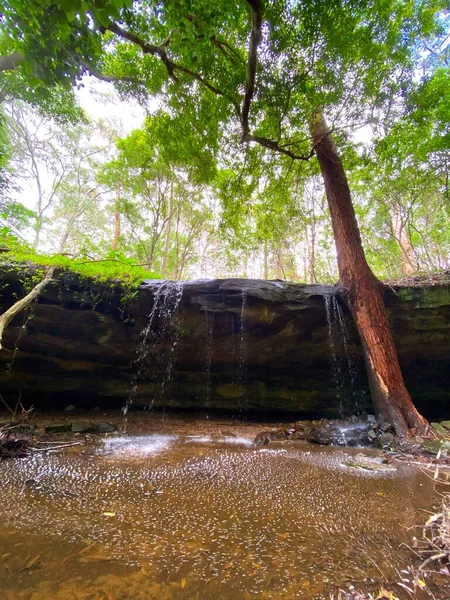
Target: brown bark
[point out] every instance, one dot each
(115, 242)
(364, 292)
(168, 232)
(10, 62)
(266, 261)
(409, 259)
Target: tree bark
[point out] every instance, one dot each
(168, 233)
(409, 259)
(11, 61)
(364, 293)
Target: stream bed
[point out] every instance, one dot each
(182, 514)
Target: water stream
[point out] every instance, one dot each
(242, 359)
(209, 327)
(156, 352)
(201, 513)
(344, 371)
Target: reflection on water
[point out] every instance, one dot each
(172, 517)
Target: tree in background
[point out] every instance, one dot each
(272, 71)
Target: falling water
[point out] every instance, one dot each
(209, 326)
(344, 372)
(160, 339)
(242, 357)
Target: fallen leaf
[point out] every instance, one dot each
(109, 514)
(183, 583)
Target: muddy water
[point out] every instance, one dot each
(183, 516)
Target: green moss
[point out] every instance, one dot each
(110, 270)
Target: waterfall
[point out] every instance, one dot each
(242, 357)
(159, 342)
(209, 327)
(344, 372)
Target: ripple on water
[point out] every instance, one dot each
(244, 518)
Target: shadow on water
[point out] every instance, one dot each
(201, 516)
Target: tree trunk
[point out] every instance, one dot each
(24, 302)
(364, 293)
(266, 261)
(168, 233)
(409, 259)
(115, 242)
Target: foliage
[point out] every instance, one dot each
(115, 267)
(221, 81)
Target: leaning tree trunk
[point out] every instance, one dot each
(364, 293)
(24, 302)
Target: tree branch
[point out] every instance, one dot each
(146, 47)
(111, 78)
(276, 147)
(161, 53)
(10, 62)
(24, 302)
(252, 61)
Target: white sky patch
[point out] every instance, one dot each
(101, 101)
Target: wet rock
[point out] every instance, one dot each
(372, 420)
(58, 428)
(385, 426)
(83, 427)
(105, 427)
(262, 439)
(69, 408)
(385, 440)
(369, 463)
(298, 435)
(265, 437)
(341, 433)
(371, 435)
(78, 346)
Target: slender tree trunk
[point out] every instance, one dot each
(168, 232)
(266, 261)
(409, 259)
(115, 242)
(37, 233)
(24, 302)
(364, 293)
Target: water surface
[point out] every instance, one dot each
(194, 516)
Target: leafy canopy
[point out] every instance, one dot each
(259, 69)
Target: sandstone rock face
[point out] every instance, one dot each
(241, 346)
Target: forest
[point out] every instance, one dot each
(178, 192)
(304, 143)
(216, 217)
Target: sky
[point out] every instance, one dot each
(100, 100)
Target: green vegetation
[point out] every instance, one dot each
(115, 268)
(249, 152)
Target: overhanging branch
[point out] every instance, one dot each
(171, 66)
(10, 62)
(252, 61)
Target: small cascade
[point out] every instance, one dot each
(242, 357)
(159, 342)
(209, 327)
(344, 372)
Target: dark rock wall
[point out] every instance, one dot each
(80, 342)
